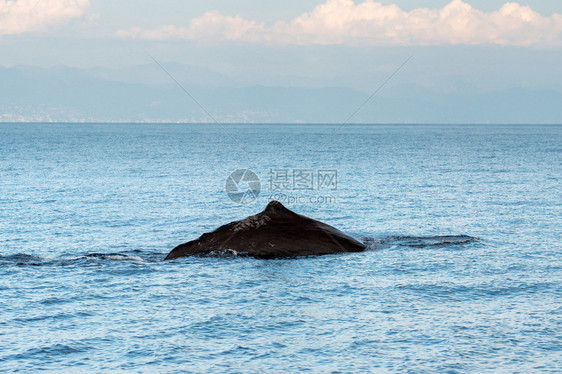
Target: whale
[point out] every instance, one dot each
(276, 232)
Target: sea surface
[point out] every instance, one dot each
(463, 272)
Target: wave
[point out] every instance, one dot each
(149, 257)
(435, 241)
(114, 257)
(34, 260)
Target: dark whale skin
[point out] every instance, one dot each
(276, 232)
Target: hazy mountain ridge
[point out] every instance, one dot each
(145, 93)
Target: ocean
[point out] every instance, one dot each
(462, 275)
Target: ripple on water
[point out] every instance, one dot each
(89, 212)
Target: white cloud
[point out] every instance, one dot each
(372, 23)
(211, 26)
(21, 16)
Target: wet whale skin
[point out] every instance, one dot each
(275, 232)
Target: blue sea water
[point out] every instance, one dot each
(463, 272)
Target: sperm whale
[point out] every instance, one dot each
(275, 232)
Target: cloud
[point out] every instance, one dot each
(21, 16)
(212, 26)
(372, 23)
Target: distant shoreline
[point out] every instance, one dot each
(269, 123)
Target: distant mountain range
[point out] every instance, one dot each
(145, 93)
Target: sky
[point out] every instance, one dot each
(460, 47)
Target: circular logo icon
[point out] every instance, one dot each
(243, 186)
